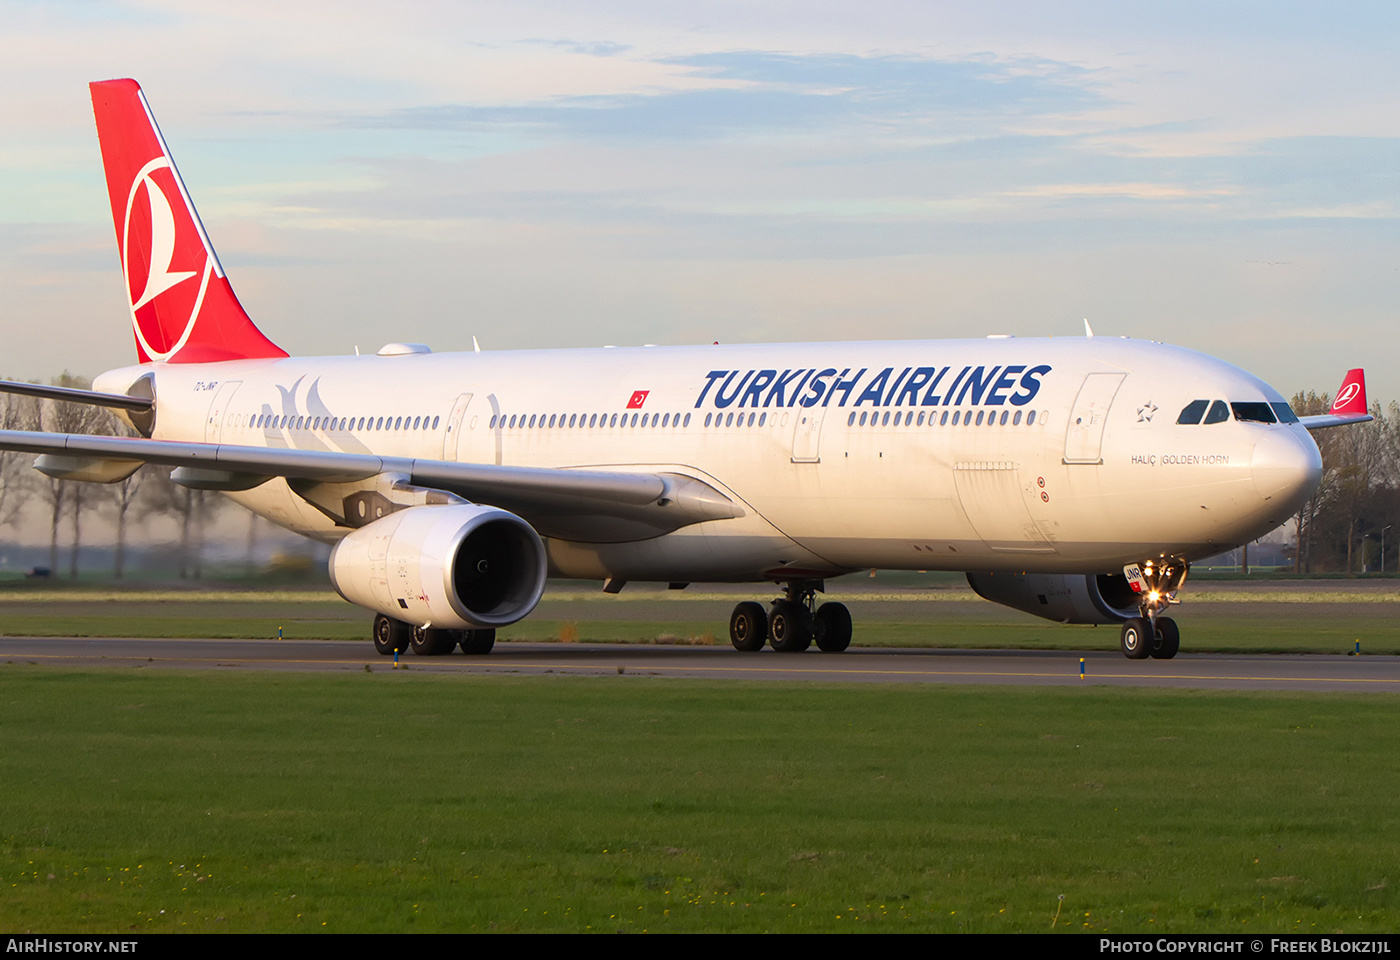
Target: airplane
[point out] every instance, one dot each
(1075, 479)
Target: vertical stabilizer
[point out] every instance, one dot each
(182, 307)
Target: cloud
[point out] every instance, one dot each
(760, 93)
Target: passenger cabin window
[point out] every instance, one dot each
(1193, 411)
(1254, 412)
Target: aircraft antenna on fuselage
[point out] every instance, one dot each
(1088, 330)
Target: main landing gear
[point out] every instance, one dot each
(394, 636)
(1150, 634)
(793, 623)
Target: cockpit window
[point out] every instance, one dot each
(1218, 412)
(1254, 412)
(1193, 411)
(1285, 413)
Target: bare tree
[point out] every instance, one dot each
(124, 497)
(16, 413)
(1358, 495)
(1305, 405)
(192, 508)
(62, 496)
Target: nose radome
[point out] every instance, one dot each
(1286, 467)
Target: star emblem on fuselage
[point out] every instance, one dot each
(1146, 411)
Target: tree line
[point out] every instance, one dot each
(68, 506)
(1352, 522)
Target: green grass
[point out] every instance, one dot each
(1214, 618)
(145, 801)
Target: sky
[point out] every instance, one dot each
(1223, 176)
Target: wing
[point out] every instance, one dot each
(576, 503)
(1348, 406)
(1324, 420)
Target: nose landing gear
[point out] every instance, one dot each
(1156, 583)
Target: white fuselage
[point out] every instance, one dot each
(1066, 455)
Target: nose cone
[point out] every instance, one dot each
(1286, 468)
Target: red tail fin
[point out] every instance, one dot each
(182, 307)
(1351, 398)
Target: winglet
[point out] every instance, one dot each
(1351, 398)
(1348, 407)
(183, 309)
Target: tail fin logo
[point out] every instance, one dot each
(1346, 395)
(182, 307)
(149, 252)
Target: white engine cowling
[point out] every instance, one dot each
(453, 567)
(1068, 598)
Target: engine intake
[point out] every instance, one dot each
(457, 567)
(1068, 598)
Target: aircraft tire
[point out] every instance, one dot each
(477, 643)
(431, 642)
(1134, 639)
(748, 627)
(391, 636)
(832, 628)
(789, 627)
(1168, 639)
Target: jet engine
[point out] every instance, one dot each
(454, 567)
(1068, 598)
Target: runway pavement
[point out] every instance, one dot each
(1017, 667)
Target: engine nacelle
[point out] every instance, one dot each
(454, 567)
(1068, 598)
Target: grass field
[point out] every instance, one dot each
(1289, 617)
(138, 800)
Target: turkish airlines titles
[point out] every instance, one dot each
(914, 386)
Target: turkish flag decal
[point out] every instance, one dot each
(639, 397)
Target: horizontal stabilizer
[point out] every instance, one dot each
(92, 398)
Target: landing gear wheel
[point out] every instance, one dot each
(832, 627)
(431, 642)
(789, 627)
(391, 636)
(1135, 640)
(1168, 639)
(748, 627)
(477, 643)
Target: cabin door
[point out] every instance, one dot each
(451, 439)
(1084, 437)
(218, 410)
(807, 435)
